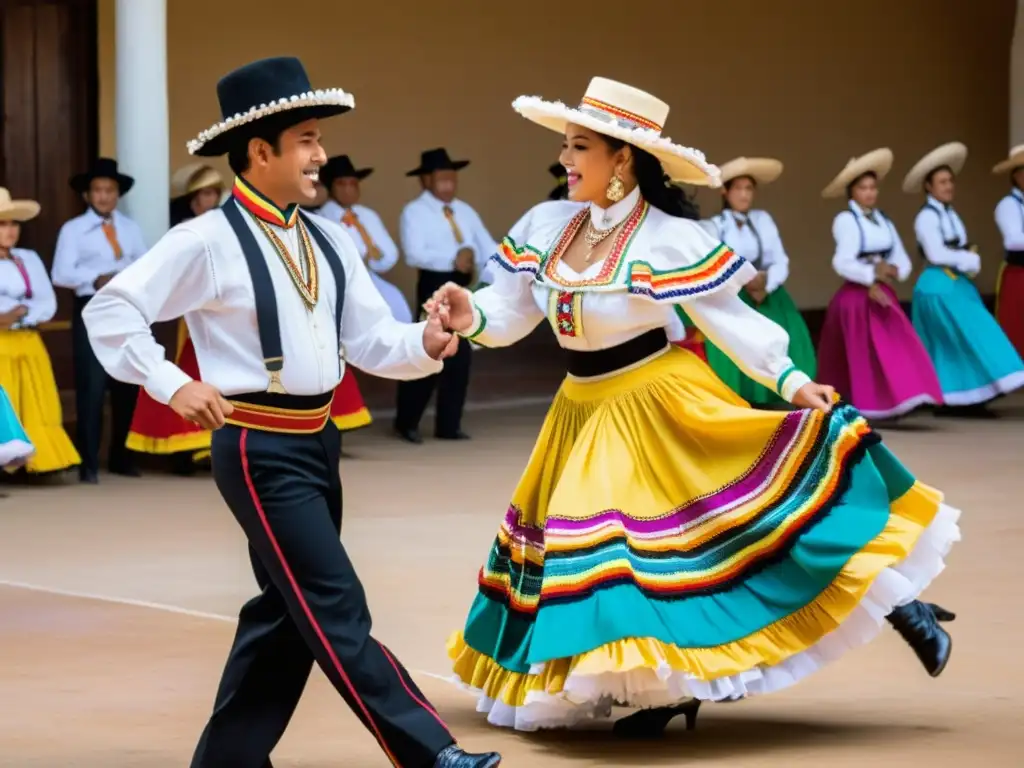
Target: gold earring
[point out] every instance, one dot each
(616, 189)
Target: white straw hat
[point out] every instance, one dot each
(953, 155)
(16, 210)
(194, 177)
(1014, 161)
(763, 170)
(878, 161)
(629, 114)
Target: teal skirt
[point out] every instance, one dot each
(974, 359)
(778, 307)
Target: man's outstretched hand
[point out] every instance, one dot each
(438, 341)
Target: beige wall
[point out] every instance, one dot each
(810, 83)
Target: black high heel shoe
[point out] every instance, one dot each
(918, 624)
(651, 723)
(940, 613)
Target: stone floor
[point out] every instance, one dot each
(117, 602)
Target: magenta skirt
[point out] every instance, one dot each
(873, 356)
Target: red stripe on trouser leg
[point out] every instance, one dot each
(302, 599)
(413, 696)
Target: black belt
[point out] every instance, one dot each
(870, 256)
(602, 361)
(284, 401)
(1015, 258)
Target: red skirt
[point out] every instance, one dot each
(694, 342)
(348, 411)
(156, 428)
(1010, 304)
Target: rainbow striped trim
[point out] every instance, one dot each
(706, 276)
(261, 207)
(709, 545)
(619, 114)
(515, 259)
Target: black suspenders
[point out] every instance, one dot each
(267, 319)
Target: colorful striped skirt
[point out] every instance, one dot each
(668, 542)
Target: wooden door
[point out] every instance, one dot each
(49, 126)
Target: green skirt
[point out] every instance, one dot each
(779, 307)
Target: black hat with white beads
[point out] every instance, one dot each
(278, 87)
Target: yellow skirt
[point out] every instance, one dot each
(666, 541)
(27, 375)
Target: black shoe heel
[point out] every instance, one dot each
(651, 723)
(917, 624)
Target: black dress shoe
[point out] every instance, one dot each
(125, 471)
(941, 614)
(455, 757)
(651, 723)
(89, 476)
(918, 625)
(409, 435)
(459, 435)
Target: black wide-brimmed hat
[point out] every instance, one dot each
(437, 160)
(340, 167)
(262, 89)
(101, 168)
(562, 190)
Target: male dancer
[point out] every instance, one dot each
(270, 295)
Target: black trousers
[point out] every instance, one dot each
(285, 493)
(91, 386)
(413, 396)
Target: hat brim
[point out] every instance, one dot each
(454, 165)
(218, 139)
(878, 162)
(953, 155)
(20, 210)
(80, 182)
(763, 170)
(1012, 163)
(682, 164)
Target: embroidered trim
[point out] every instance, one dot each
(480, 328)
(706, 275)
(565, 312)
(781, 381)
(261, 207)
(612, 264)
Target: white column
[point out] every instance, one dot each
(1017, 80)
(141, 108)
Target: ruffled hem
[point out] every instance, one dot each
(643, 672)
(14, 453)
(900, 409)
(1002, 386)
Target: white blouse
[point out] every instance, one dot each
(24, 281)
(1010, 220)
(758, 241)
(937, 224)
(656, 262)
(856, 233)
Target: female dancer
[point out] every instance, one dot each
(15, 448)
(869, 351)
(753, 235)
(974, 359)
(1010, 220)
(156, 429)
(666, 541)
(26, 301)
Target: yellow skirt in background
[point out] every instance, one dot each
(27, 375)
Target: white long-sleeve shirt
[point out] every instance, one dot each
(635, 289)
(1010, 220)
(428, 240)
(942, 236)
(856, 236)
(758, 241)
(198, 271)
(83, 252)
(375, 229)
(28, 286)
